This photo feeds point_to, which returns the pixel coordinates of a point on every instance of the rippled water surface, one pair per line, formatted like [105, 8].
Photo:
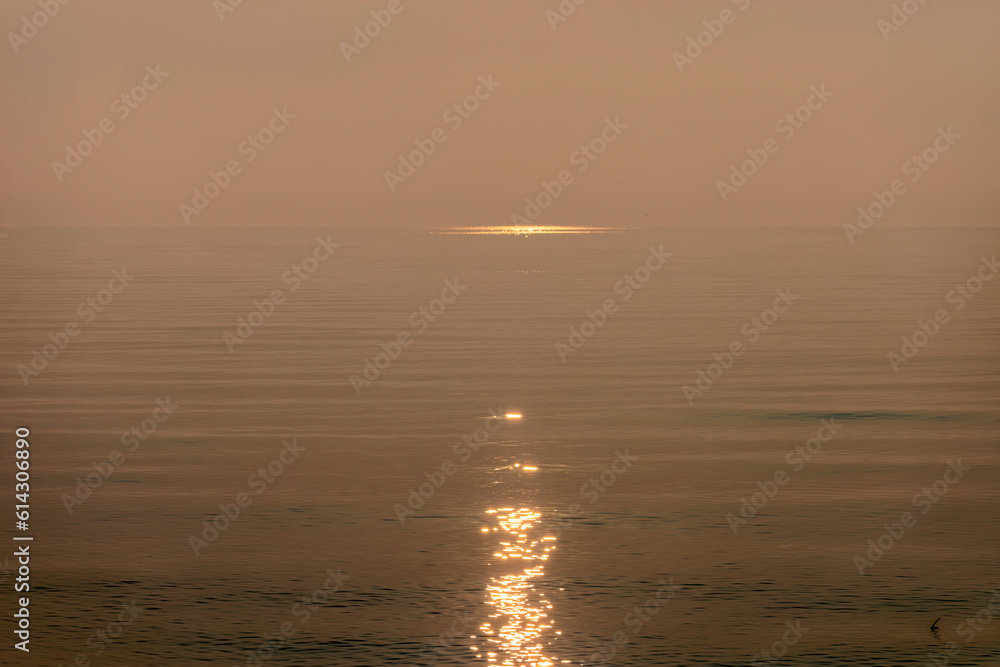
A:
[595, 521]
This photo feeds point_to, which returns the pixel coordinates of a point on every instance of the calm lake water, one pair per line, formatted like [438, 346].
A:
[518, 558]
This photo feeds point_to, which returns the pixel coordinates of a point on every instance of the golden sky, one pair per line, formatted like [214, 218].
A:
[612, 66]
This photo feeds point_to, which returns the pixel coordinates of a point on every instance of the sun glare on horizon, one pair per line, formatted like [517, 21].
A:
[522, 230]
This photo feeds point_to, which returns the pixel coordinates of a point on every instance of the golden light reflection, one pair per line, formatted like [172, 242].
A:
[525, 230]
[513, 415]
[516, 638]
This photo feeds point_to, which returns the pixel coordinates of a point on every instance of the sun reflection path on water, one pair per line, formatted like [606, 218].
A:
[516, 638]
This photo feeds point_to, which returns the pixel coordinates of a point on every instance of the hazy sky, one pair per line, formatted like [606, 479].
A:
[608, 59]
